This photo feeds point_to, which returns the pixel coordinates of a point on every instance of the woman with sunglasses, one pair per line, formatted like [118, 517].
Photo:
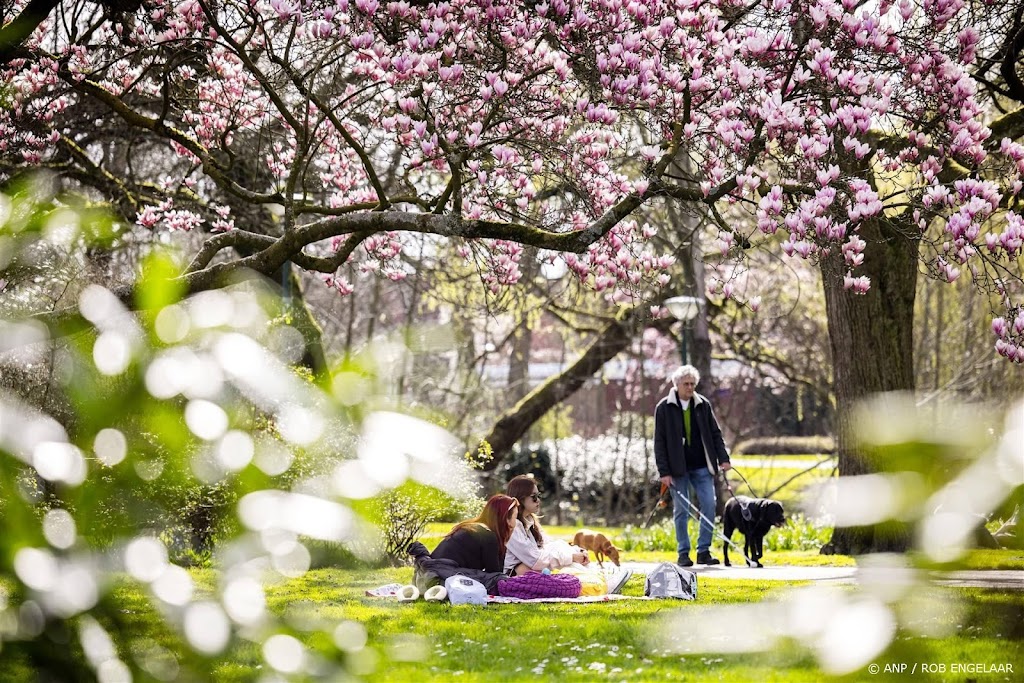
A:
[527, 548]
[480, 543]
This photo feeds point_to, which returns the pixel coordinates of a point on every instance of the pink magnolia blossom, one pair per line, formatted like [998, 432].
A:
[859, 285]
[487, 111]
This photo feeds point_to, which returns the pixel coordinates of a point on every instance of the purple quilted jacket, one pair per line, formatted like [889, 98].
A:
[535, 585]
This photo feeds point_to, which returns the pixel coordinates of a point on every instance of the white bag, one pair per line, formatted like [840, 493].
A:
[463, 590]
[670, 581]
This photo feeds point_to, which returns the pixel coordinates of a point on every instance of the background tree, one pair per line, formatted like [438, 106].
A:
[847, 139]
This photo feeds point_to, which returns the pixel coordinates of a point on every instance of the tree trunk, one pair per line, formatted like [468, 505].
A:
[511, 426]
[13, 34]
[407, 330]
[921, 351]
[522, 337]
[700, 351]
[939, 338]
[687, 221]
[872, 351]
[519, 361]
[313, 356]
[350, 325]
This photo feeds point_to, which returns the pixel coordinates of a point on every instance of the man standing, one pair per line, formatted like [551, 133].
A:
[689, 451]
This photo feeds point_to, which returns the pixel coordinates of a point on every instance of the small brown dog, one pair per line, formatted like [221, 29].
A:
[599, 544]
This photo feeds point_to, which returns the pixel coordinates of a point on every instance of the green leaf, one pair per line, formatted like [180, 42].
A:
[158, 283]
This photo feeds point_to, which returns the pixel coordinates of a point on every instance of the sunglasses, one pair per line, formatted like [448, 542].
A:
[535, 497]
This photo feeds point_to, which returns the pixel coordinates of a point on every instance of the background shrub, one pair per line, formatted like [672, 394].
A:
[325, 554]
[607, 480]
[402, 514]
[799, 533]
[657, 537]
[534, 460]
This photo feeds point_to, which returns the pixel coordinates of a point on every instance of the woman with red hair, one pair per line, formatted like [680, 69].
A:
[480, 543]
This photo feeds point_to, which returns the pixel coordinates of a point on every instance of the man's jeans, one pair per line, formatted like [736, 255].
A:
[704, 484]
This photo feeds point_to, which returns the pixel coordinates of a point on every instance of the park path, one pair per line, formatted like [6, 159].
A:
[986, 578]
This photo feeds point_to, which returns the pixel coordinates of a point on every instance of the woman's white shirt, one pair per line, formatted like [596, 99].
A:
[523, 548]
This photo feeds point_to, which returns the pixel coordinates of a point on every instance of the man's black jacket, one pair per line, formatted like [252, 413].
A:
[668, 435]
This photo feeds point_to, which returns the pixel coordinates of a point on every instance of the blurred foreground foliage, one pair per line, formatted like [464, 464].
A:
[178, 437]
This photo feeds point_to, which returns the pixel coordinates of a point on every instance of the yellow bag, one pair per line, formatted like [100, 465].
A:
[592, 581]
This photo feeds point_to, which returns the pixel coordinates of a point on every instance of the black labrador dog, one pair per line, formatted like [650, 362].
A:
[753, 517]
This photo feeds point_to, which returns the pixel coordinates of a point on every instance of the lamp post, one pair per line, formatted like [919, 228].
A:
[684, 309]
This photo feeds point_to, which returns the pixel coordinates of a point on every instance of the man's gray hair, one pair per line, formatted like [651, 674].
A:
[686, 371]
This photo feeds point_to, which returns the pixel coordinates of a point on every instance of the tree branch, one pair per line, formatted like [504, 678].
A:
[511, 426]
[161, 128]
[14, 34]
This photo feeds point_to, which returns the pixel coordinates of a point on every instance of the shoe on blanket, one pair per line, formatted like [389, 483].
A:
[619, 582]
[408, 593]
[435, 594]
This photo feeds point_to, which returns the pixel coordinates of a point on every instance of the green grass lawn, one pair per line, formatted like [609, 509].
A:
[784, 558]
[580, 642]
[1003, 558]
[435, 532]
[612, 641]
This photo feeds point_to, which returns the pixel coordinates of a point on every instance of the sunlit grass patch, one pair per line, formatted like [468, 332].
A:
[571, 641]
[782, 545]
[657, 542]
[980, 558]
[566, 641]
[604, 641]
[782, 478]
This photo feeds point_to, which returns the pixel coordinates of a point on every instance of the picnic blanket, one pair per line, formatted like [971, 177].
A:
[583, 598]
[390, 590]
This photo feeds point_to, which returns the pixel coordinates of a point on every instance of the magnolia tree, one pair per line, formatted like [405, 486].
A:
[322, 133]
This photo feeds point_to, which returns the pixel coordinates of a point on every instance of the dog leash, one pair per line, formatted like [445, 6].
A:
[740, 475]
[662, 502]
[745, 512]
[700, 516]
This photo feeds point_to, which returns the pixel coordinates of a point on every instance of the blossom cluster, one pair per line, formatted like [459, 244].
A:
[1009, 333]
[814, 117]
[163, 215]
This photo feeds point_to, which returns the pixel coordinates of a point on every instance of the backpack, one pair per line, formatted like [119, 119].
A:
[536, 585]
[670, 581]
[463, 590]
